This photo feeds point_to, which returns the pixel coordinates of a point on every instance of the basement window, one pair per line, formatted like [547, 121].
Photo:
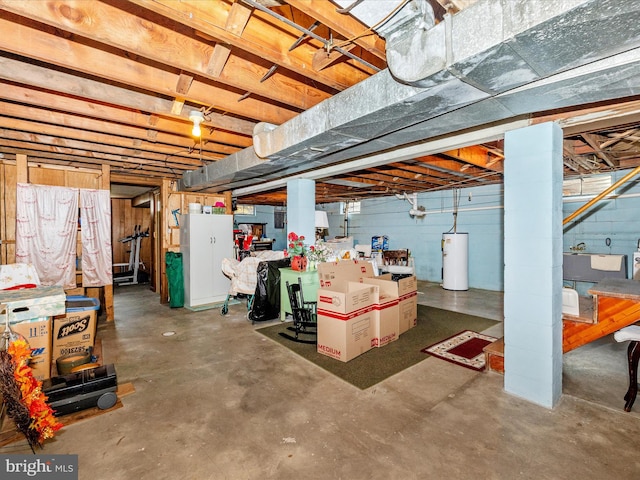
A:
[592, 185]
[245, 210]
[351, 207]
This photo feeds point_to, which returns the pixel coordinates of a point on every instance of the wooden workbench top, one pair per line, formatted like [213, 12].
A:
[617, 287]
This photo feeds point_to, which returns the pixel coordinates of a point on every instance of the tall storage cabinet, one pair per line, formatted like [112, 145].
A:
[204, 241]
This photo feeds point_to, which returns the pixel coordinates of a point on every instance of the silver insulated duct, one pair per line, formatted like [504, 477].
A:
[495, 60]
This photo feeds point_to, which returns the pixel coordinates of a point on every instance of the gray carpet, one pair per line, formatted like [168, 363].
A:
[377, 364]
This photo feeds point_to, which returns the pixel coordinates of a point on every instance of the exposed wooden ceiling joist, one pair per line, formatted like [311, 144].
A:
[91, 83]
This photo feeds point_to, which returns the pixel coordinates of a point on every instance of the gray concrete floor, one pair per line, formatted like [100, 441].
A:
[219, 401]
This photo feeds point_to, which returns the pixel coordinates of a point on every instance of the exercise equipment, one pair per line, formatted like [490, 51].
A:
[130, 275]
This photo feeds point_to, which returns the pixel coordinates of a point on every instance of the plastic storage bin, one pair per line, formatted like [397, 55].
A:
[80, 303]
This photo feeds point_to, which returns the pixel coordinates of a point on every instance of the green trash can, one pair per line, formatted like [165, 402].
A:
[175, 279]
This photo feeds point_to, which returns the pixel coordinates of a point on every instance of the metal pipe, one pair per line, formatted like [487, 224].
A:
[606, 192]
[324, 41]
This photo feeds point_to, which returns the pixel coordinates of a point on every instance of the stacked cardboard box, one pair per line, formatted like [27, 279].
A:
[393, 303]
[52, 323]
[345, 320]
[385, 322]
[29, 312]
[406, 289]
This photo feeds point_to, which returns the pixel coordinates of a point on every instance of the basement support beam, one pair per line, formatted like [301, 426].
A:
[301, 206]
[22, 169]
[533, 282]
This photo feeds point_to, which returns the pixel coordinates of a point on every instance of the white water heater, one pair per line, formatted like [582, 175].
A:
[455, 261]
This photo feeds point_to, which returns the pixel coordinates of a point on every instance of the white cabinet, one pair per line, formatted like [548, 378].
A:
[204, 241]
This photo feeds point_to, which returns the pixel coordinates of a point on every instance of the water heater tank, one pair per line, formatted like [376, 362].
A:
[455, 261]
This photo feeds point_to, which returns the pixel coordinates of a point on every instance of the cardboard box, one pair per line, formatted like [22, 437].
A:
[386, 326]
[406, 289]
[407, 312]
[76, 330]
[30, 311]
[338, 274]
[345, 320]
[379, 242]
[37, 331]
[385, 321]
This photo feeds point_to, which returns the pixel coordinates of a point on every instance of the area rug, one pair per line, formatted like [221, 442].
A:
[377, 364]
[464, 349]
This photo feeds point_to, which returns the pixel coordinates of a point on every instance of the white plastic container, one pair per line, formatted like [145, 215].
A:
[195, 208]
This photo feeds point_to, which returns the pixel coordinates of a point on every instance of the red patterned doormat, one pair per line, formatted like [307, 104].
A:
[464, 348]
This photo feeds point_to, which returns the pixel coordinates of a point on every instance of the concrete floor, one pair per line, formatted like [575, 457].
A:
[219, 401]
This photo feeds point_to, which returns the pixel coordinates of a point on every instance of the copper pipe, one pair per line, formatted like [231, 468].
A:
[606, 192]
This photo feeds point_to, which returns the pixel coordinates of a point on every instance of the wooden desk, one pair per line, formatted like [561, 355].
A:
[616, 305]
[310, 284]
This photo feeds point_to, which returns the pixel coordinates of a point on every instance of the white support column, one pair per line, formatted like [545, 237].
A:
[533, 263]
[301, 208]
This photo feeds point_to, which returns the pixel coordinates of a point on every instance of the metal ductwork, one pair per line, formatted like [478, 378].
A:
[496, 60]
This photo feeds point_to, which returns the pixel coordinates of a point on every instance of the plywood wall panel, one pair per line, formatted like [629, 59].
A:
[8, 179]
[46, 176]
[67, 178]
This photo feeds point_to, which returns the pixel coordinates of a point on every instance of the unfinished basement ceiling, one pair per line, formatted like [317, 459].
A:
[86, 83]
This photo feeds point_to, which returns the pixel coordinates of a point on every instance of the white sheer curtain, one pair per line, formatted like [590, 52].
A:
[46, 232]
[95, 216]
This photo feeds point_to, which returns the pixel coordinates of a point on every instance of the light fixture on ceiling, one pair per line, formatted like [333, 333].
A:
[197, 117]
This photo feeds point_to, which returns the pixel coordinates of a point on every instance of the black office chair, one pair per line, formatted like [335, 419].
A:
[305, 315]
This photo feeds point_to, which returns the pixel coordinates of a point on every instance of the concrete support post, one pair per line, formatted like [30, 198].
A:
[301, 208]
[533, 263]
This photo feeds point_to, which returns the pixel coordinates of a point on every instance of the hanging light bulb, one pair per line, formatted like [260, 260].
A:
[197, 118]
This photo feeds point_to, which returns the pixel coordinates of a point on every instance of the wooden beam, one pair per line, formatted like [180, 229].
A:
[57, 124]
[238, 18]
[345, 25]
[322, 59]
[22, 173]
[117, 27]
[210, 18]
[165, 189]
[79, 57]
[218, 59]
[105, 178]
[115, 153]
[184, 83]
[177, 106]
[60, 109]
[478, 156]
[593, 142]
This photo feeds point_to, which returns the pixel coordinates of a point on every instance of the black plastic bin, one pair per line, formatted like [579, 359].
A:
[175, 279]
